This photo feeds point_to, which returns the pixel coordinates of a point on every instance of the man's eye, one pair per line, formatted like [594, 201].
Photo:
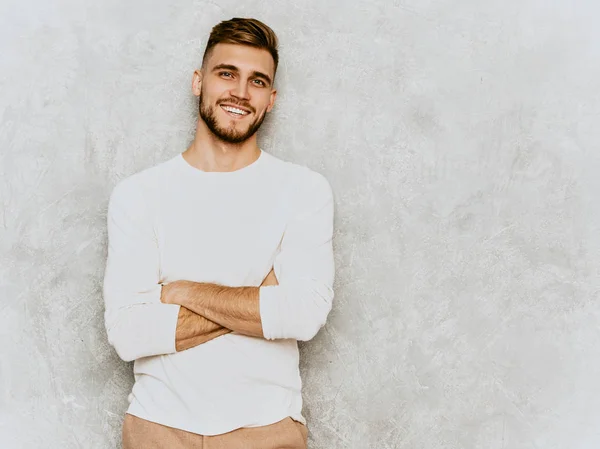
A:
[260, 82]
[225, 74]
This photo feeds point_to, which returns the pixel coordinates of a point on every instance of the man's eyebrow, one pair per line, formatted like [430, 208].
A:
[225, 67]
[255, 74]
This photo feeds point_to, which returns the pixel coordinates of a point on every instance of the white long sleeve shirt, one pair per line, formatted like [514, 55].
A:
[175, 222]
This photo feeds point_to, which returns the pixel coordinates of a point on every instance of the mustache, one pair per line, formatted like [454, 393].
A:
[236, 103]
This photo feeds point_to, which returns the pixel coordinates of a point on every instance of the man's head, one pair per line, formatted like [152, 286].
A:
[235, 83]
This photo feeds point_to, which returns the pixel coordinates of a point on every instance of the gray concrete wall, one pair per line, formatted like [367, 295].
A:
[461, 139]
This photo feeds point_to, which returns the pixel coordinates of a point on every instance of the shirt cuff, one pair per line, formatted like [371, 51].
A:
[270, 311]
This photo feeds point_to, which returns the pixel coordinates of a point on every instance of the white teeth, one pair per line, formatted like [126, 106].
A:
[234, 110]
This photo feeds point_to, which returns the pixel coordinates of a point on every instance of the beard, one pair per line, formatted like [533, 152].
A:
[231, 134]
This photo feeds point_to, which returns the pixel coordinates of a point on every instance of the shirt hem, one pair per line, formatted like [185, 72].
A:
[198, 430]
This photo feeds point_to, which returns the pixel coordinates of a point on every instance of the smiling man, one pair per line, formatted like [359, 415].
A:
[220, 259]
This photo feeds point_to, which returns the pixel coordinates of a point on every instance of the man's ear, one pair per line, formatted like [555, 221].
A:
[272, 100]
[197, 82]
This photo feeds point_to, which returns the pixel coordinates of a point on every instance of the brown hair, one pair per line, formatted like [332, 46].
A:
[250, 32]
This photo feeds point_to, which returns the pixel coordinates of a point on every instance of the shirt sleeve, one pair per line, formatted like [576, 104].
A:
[137, 323]
[298, 307]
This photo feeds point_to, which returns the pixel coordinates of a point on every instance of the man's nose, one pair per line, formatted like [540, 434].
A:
[240, 90]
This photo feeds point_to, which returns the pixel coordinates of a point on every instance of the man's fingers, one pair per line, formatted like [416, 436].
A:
[163, 294]
[271, 279]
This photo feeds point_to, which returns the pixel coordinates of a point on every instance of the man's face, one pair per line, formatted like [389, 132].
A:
[236, 91]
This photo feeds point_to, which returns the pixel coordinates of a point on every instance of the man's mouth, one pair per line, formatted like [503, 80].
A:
[235, 111]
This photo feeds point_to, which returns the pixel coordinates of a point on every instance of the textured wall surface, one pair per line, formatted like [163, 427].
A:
[462, 142]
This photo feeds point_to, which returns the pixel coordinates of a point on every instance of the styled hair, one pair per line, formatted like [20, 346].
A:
[249, 32]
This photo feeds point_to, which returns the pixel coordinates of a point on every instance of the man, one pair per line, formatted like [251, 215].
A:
[219, 260]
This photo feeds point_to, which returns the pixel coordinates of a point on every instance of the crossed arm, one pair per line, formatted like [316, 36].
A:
[241, 313]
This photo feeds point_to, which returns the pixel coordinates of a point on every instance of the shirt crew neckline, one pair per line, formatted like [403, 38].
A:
[229, 175]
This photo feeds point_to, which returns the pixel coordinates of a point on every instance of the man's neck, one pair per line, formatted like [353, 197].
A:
[209, 153]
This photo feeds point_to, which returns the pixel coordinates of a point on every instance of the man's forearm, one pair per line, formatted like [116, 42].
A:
[234, 308]
[193, 330]
[208, 311]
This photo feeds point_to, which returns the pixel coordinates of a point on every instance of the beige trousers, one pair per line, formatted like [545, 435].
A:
[285, 434]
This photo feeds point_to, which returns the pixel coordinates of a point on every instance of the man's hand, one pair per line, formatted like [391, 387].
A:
[271, 279]
[176, 292]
